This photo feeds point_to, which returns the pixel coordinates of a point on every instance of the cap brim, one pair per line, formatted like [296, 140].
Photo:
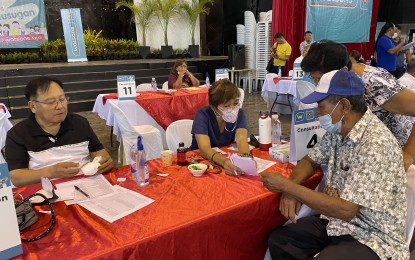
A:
[314, 97]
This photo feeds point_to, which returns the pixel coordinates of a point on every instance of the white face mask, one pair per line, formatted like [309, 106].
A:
[326, 122]
[230, 115]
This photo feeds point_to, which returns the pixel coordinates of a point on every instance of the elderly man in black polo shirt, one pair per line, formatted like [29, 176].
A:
[51, 143]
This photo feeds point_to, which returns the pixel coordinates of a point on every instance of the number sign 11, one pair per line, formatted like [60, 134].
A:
[126, 87]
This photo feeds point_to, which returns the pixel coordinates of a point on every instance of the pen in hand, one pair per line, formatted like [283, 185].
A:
[81, 191]
[229, 155]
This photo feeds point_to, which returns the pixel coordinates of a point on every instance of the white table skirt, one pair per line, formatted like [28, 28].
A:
[137, 116]
[270, 90]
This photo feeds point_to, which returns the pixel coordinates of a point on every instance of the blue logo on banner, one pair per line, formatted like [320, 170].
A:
[305, 116]
[349, 19]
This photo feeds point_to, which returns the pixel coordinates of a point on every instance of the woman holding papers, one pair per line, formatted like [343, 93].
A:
[180, 77]
[220, 124]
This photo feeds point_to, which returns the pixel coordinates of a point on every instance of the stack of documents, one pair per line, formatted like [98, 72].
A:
[97, 195]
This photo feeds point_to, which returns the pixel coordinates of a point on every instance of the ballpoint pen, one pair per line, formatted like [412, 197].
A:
[229, 155]
[81, 191]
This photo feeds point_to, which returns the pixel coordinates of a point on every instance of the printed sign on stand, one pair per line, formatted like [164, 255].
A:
[221, 74]
[126, 88]
[298, 73]
[10, 243]
[305, 133]
[74, 34]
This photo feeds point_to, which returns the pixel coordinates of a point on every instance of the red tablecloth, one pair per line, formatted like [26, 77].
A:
[210, 217]
[166, 108]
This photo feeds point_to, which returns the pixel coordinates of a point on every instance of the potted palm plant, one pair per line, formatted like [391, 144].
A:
[143, 12]
[190, 11]
[165, 11]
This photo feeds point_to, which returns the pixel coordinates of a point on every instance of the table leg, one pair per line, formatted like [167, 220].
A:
[111, 132]
[249, 82]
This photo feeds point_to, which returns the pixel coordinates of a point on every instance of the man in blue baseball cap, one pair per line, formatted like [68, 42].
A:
[363, 205]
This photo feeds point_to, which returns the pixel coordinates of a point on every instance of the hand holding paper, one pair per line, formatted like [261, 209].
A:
[246, 164]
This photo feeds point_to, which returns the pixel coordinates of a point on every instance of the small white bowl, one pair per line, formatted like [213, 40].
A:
[201, 168]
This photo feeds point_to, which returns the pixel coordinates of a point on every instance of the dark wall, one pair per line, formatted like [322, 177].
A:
[397, 11]
[223, 18]
[97, 14]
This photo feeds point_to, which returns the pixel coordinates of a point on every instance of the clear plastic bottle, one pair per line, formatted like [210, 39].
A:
[279, 72]
[154, 84]
[207, 81]
[275, 130]
[181, 155]
[139, 169]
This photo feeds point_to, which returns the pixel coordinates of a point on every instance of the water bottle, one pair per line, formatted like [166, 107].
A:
[139, 169]
[207, 81]
[154, 84]
[264, 123]
[275, 130]
[181, 155]
[279, 72]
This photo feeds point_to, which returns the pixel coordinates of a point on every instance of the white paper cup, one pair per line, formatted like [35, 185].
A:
[166, 158]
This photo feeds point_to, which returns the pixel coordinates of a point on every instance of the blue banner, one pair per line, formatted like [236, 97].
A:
[22, 23]
[74, 34]
[342, 21]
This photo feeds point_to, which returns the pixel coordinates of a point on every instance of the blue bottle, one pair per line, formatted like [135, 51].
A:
[139, 169]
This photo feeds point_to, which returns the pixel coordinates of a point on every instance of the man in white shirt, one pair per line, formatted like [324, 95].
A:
[308, 36]
[408, 78]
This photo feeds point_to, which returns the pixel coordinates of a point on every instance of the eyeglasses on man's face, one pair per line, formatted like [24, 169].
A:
[54, 102]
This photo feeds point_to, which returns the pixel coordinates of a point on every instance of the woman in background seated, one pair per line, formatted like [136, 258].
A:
[356, 57]
[180, 77]
[219, 123]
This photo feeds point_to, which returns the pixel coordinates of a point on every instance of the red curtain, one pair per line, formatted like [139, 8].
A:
[289, 17]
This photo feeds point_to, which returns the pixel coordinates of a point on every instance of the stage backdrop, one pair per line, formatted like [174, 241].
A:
[340, 21]
[289, 17]
[22, 23]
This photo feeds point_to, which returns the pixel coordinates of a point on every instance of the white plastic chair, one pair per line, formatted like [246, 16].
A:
[179, 131]
[151, 135]
[304, 88]
[241, 97]
[144, 87]
[271, 75]
[165, 85]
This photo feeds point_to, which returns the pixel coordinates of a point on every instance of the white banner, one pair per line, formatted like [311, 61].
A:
[10, 243]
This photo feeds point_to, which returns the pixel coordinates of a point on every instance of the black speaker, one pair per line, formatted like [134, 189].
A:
[236, 54]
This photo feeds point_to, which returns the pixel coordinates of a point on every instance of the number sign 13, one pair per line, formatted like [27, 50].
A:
[298, 73]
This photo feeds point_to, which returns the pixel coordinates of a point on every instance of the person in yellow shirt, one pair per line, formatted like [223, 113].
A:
[281, 51]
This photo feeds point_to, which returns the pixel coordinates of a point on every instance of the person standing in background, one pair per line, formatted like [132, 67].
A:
[386, 49]
[308, 40]
[281, 51]
[403, 56]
